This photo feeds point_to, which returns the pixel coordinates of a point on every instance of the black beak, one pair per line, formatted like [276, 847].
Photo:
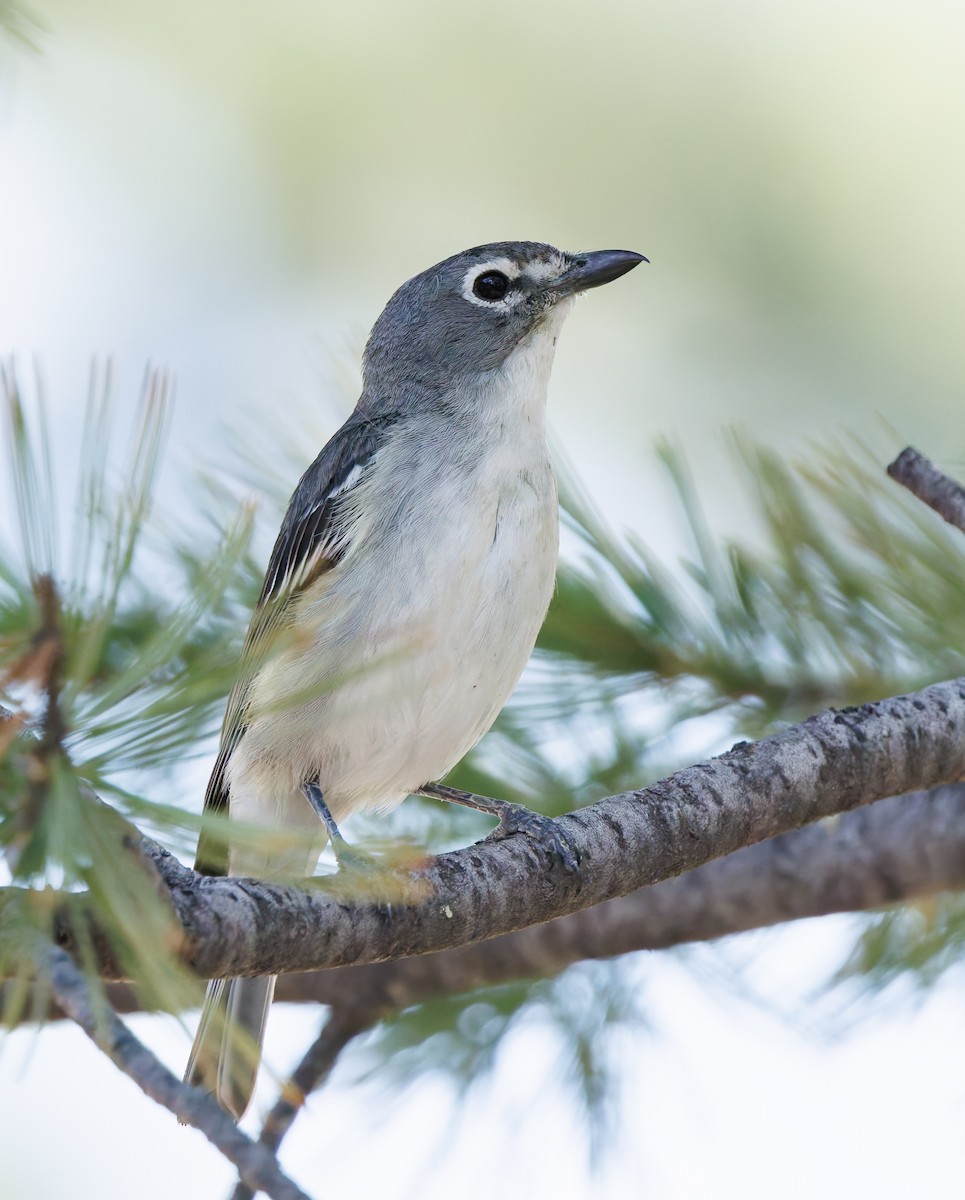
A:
[593, 269]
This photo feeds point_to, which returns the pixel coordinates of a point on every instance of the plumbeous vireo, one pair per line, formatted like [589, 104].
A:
[405, 591]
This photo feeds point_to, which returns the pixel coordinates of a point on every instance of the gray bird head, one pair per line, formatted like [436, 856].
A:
[464, 316]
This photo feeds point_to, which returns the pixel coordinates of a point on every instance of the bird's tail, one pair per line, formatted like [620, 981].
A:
[227, 1048]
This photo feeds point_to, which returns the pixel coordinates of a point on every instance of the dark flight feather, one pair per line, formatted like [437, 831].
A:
[310, 542]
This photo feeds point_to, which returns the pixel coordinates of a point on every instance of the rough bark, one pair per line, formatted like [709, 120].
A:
[830, 764]
[923, 479]
[897, 849]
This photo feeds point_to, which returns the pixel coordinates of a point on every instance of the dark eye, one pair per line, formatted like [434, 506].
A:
[491, 285]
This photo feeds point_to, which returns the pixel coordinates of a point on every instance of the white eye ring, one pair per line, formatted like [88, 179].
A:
[498, 266]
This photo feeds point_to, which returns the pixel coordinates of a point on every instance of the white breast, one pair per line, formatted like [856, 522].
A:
[424, 627]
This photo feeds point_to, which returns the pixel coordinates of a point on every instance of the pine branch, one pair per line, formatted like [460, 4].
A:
[923, 479]
[72, 992]
[892, 850]
[830, 764]
[898, 849]
[317, 1064]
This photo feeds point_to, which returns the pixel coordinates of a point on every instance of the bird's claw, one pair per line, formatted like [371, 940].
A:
[514, 818]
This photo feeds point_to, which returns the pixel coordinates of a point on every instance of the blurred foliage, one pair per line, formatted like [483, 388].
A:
[106, 678]
[119, 642]
[461, 1036]
[20, 23]
[854, 593]
[915, 943]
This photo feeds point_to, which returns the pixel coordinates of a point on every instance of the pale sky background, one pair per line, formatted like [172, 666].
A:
[233, 191]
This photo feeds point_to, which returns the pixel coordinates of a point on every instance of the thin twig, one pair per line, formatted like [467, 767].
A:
[192, 1106]
[924, 480]
[314, 1069]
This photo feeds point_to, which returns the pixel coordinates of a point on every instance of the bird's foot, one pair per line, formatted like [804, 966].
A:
[351, 860]
[387, 885]
[516, 818]
[513, 818]
[385, 880]
[358, 871]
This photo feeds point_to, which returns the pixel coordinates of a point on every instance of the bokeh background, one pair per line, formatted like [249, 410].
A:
[234, 190]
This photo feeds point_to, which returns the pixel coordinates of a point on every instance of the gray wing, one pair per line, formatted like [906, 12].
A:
[310, 542]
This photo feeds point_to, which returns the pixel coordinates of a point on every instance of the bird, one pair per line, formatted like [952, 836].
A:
[404, 594]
